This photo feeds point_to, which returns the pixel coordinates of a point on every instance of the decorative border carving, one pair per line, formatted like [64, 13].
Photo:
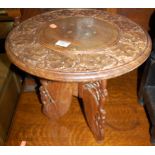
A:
[25, 50]
[99, 92]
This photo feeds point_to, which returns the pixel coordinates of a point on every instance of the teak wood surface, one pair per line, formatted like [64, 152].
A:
[74, 52]
[126, 122]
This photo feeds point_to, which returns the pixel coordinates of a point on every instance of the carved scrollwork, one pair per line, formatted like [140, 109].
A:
[94, 107]
[45, 96]
[97, 90]
[23, 43]
[48, 101]
[56, 98]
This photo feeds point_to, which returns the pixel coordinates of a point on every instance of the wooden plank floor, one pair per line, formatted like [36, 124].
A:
[126, 122]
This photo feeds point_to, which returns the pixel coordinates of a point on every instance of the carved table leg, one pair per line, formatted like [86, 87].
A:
[93, 95]
[56, 98]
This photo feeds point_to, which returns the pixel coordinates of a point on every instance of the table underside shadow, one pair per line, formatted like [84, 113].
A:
[57, 96]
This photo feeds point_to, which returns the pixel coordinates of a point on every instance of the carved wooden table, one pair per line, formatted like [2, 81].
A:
[74, 52]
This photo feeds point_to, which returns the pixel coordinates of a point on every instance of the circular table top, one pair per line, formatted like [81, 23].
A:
[78, 45]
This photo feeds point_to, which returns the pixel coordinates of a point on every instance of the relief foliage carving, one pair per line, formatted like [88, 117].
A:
[23, 43]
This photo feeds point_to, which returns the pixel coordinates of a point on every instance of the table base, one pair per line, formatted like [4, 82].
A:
[57, 96]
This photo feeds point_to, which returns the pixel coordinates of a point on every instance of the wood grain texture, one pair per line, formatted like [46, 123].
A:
[77, 133]
[94, 95]
[125, 45]
[126, 121]
[138, 15]
[56, 98]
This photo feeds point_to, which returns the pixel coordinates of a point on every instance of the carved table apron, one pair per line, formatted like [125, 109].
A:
[74, 52]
